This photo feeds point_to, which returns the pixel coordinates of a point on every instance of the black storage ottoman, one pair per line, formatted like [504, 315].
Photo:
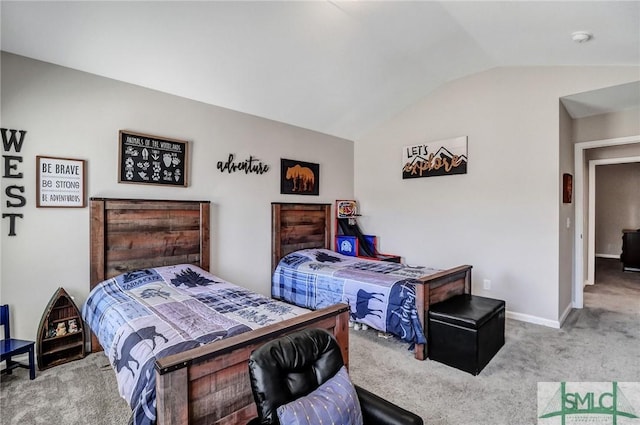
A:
[466, 331]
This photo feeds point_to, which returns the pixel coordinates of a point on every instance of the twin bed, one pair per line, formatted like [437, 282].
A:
[208, 384]
[149, 268]
[304, 268]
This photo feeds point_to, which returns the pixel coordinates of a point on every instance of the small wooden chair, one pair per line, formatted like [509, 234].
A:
[10, 347]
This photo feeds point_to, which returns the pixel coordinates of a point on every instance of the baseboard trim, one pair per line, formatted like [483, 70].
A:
[566, 312]
[613, 256]
[535, 319]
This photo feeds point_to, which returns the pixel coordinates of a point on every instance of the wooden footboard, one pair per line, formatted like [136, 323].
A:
[210, 384]
[435, 288]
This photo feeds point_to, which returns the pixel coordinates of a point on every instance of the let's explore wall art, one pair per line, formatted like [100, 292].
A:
[440, 158]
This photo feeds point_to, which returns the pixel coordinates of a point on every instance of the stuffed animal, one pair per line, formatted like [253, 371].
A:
[61, 329]
[73, 326]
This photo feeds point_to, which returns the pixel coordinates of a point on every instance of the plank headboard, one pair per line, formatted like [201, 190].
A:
[297, 226]
[132, 234]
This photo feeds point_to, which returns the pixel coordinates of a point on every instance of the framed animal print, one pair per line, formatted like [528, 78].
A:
[146, 159]
[299, 178]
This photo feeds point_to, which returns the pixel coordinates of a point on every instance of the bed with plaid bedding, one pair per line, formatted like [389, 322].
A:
[380, 294]
[144, 315]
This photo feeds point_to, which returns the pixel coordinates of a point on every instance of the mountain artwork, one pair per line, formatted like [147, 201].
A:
[440, 158]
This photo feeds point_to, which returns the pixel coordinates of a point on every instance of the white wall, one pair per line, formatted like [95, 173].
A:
[566, 213]
[607, 126]
[503, 216]
[71, 114]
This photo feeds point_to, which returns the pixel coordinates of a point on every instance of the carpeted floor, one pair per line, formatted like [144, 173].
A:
[598, 343]
[76, 393]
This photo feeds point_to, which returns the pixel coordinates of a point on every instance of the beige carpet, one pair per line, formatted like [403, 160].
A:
[598, 343]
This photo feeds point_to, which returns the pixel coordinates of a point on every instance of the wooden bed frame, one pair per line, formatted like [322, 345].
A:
[296, 226]
[208, 384]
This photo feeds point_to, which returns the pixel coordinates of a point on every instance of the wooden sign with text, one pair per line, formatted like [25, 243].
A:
[60, 182]
[12, 140]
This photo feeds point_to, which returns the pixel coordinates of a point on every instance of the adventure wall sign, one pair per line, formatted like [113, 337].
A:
[152, 160]
[441, 158]
[248, 166]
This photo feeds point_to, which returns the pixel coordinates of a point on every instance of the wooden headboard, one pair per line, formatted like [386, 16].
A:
[132, 234]
[298, 226]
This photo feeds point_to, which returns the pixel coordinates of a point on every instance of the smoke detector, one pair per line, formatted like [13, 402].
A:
[581, 36]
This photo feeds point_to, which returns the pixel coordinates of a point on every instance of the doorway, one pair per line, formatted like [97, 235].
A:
[584, 244]
[591, 242]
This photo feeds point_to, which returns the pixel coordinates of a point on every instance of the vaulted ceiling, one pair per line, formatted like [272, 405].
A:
[338, 67]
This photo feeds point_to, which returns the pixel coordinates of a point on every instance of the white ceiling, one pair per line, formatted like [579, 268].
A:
[340, 68]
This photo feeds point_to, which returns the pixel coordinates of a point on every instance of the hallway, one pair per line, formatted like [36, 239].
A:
[614, 290]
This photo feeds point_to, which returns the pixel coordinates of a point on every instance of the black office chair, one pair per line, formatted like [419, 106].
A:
[291, 367]
[10, 347]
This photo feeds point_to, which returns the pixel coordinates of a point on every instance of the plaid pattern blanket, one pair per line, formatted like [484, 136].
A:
[381, 294]
[148, 314]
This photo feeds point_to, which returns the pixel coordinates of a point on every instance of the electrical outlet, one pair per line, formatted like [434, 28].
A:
[487, 285]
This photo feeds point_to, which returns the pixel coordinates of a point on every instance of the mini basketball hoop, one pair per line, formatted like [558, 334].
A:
[348, 209]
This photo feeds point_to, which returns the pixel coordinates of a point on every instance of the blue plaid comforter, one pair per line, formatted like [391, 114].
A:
[144, 315]
[381, 294]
